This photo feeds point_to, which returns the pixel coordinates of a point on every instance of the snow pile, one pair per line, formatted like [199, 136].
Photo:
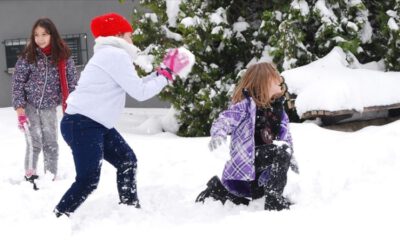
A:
[333, 83]
[149, 121]
[188, 56]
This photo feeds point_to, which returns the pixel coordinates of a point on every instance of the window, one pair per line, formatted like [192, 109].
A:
[78, 45]
[13, 48]
[76, 42]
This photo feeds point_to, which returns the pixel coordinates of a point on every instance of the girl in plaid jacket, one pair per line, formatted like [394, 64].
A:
[261, 145]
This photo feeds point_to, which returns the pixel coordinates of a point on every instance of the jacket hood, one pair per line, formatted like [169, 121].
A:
[117, 42]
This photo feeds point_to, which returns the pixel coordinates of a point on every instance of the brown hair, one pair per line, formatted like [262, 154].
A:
[59, 49]
[257, 81]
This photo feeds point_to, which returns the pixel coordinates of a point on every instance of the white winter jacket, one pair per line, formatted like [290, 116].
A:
[107, 77]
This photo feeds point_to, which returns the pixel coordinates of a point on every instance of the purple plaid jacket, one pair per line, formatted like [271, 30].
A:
[239, 121]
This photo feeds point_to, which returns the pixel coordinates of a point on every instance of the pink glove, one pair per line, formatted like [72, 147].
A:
[22, 120]
[175, 60]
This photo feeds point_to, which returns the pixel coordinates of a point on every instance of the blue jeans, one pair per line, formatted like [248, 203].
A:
[90, 143]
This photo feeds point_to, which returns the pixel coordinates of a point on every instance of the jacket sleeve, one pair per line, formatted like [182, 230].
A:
[284, 134]
[20, 77]
[227, 121]
[124, 74]
[72, 75]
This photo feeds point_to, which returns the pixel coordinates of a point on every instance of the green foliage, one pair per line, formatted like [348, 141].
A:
[392, 56]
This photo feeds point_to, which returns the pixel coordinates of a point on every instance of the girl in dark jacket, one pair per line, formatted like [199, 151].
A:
[44, 76]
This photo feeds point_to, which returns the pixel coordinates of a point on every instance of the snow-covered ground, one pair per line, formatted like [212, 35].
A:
[348, 188]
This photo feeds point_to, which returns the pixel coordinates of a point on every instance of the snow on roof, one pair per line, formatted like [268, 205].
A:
[332, 83]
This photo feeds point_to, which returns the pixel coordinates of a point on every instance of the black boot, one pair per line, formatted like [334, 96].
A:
[59, 214]
[217, 191]
[213, 190]
[32, 179]
[276, 202]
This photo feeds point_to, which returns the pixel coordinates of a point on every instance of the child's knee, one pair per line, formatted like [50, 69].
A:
[89, 182]
[283, 154]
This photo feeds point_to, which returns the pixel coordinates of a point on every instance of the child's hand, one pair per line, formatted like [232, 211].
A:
[216, 142]
[22, 121]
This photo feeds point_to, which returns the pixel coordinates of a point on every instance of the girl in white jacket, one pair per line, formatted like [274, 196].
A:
[94, 107]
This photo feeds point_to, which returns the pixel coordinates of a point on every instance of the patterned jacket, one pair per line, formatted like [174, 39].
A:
[39, 83]
[239, 121]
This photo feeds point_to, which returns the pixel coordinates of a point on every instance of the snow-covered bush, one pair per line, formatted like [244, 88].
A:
[301, 31]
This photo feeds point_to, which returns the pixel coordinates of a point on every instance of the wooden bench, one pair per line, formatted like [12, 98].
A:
[332, 117]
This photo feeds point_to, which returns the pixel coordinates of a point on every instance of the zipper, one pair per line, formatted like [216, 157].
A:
[45, 83]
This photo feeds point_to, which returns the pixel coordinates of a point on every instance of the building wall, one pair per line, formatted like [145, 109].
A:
[70, 17]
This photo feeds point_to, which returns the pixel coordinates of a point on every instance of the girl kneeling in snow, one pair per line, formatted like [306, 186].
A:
[261, 144]
[95, 105]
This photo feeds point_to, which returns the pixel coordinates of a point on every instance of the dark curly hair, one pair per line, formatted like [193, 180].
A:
[59, 49]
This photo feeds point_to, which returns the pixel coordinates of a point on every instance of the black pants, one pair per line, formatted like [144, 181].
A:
[271, 164]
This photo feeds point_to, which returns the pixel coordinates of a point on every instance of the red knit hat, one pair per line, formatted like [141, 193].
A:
[109, 24]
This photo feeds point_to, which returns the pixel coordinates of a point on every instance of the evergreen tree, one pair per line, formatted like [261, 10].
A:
[286, 26]
[392, 58]
[389, 34]
[302, 31]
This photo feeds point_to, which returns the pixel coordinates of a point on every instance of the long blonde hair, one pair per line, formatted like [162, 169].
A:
[257, 81]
